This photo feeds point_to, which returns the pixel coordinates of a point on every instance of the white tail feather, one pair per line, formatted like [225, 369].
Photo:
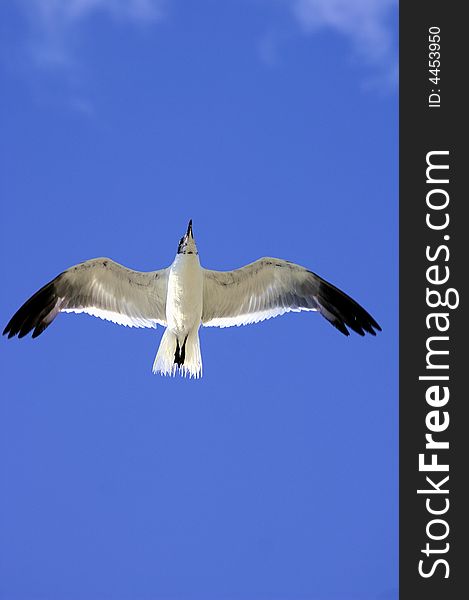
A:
[165, 357]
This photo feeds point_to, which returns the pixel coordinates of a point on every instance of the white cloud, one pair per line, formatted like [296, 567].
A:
[54, 23]
[364, 22]
[48, 52]
[62, 13]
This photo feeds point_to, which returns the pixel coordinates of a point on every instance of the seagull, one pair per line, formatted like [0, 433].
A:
[185, 296]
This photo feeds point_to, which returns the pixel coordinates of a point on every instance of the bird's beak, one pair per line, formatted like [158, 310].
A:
[189, 229]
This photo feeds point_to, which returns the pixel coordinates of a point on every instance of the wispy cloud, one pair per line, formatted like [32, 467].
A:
[364, 22]
[53, 24]
[59, 14]
[48, 52]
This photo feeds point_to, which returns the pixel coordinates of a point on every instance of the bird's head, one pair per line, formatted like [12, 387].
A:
[187, 243]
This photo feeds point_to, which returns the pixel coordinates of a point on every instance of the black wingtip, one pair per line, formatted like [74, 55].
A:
[34, 314]
[343, 312]
[340, 327]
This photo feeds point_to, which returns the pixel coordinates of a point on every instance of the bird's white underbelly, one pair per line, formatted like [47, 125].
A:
[185, 294]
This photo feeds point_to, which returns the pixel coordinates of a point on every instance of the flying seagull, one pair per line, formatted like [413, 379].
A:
[185, 296]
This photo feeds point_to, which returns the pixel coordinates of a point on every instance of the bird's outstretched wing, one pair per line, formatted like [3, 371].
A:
[270, 287]
[99, 287]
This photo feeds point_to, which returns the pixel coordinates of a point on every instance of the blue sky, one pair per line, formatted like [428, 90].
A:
[273, 125]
